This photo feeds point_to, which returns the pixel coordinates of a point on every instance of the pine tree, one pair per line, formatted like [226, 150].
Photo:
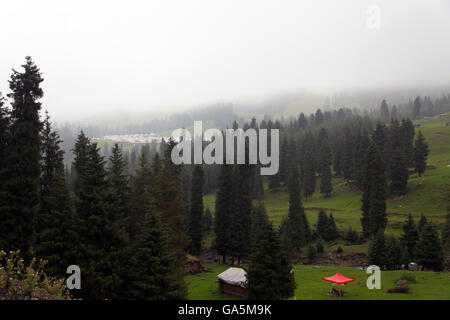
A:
[223, 211]
[207, 220]
[407, 141]
[20, 196]
[416, 108]
[270, 275]
[322, 224]
[325, 161]
[56, 239]
[393, 253]
[168, 203]
[399, 165]
[93, 226]
[241, 213]
[410, 236]
[309, 168]
[302, 122]
[332, 231]
[284, 161]
[429, 251]
[421, 152]
[394, 113]
[384, 112]
[156, 164]
[118, 225]
[80, 151]
[297, 232]
[363, 142]
[422, 222]
[377, 250]
[380, 138]
[142, 184]
[318, 118]
[195, 218]
[348, 154]
[259, 222]
[374, 216]
[153, 273]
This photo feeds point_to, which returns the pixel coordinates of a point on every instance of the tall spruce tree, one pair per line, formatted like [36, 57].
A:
[429, 251]
[241, 213]
[207, 220]
[222, 221]
[297, 232]
[407, 141]
[422, 222]
[332, 231]
[20, 197]
[363, 142]
[258, 223]
[410, 236]
[384, 112]
[142, 184]
[56, 239]
[195, 218]
[80, 151]
[153, 273]
[373, 208]
[94, 230]
[325, 162]
[347, 166]
[377, 250]
[393, 253]
[309, 167]
[119, 212]
[421, 152]
[322, 224]
[416, 108]
[168, 204]
[399, 164]
[270, 275]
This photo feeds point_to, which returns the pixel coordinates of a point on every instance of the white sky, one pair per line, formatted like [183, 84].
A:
[98, 56]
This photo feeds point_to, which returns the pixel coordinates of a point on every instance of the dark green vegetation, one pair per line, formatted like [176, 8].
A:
[128, 217]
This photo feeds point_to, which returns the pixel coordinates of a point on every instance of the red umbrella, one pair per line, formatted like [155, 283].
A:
[338, 279]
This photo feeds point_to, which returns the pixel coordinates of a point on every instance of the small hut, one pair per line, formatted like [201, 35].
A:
[233, 281]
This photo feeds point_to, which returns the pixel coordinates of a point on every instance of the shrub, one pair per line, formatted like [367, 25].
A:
[339, 250]
[402, 286]
[408, 277]
[28, 281]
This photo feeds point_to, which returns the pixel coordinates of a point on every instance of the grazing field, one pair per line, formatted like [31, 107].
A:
[430, 196]
[310, 286]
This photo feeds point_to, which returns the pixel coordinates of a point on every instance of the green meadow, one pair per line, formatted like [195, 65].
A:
[429, 194]
[310, 286]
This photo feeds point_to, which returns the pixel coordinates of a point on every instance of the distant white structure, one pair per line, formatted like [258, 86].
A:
[132, 138]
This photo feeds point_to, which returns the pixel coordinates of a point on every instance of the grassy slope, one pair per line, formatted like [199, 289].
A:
[429, 285]
[431, 198]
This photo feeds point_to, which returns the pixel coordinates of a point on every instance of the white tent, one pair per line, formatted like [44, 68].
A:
[234, 276]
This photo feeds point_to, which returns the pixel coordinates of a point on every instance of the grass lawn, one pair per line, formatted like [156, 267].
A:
[428, 286]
